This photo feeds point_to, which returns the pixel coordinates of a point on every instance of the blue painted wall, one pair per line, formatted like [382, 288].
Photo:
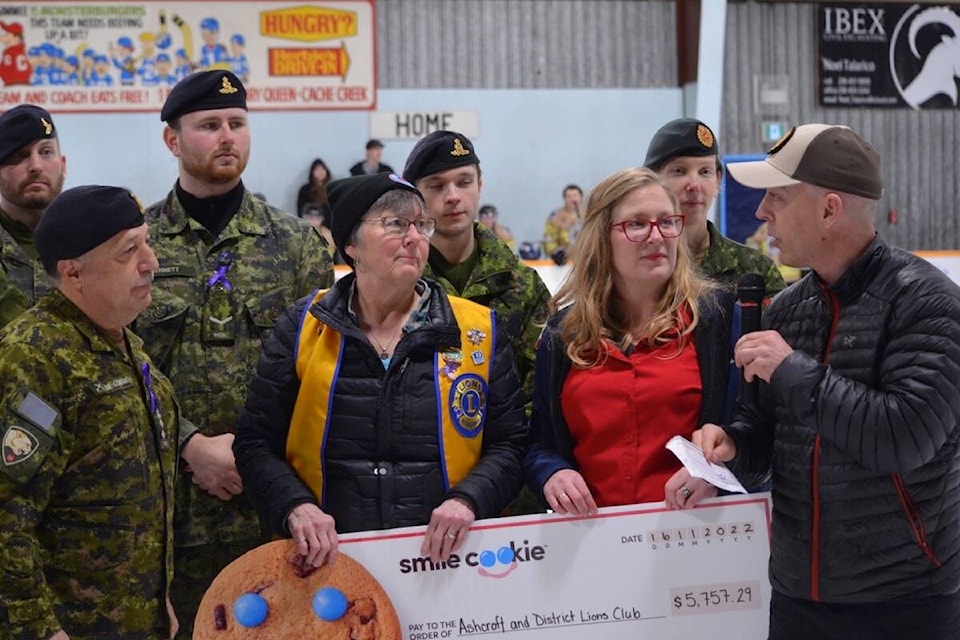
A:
[531, 144]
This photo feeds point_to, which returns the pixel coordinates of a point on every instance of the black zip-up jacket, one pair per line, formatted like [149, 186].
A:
[861, 422]
[382, 464]
[552, 445]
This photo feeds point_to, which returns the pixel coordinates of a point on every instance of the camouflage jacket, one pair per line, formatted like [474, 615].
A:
[12, 301]
[25, 273]
[726, 260]
[86, 481]
[205, 332]
[512, 289]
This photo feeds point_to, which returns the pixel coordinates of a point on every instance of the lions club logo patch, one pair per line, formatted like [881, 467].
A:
[18, 445]
[468, 404]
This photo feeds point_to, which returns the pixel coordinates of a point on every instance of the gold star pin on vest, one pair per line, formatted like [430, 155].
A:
[226, 88]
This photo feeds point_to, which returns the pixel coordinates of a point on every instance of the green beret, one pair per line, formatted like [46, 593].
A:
[683, 137]
[203, 90]
[439, 151]
[22, 125]
[351, 198]
[83, 218]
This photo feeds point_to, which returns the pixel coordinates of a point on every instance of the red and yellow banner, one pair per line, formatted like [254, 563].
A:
[91, 56]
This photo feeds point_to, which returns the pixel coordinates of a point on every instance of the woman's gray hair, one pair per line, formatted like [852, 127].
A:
[400, 202]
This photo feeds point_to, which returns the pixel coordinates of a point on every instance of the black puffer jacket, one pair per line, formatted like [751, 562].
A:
[862, 419]
[382, 455]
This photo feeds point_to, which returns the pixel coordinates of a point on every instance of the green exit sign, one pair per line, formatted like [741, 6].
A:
[773, 131]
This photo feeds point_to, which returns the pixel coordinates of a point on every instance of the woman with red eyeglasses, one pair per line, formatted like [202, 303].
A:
[636, 352]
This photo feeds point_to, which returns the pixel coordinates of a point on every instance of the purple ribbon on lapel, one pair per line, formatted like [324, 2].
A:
[220, 275]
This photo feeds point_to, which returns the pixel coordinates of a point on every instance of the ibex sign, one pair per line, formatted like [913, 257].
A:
[889, 55]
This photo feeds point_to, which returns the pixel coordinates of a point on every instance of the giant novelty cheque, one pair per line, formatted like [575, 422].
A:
[641, 571]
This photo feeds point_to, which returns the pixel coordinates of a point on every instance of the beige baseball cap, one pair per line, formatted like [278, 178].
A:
[825, 155]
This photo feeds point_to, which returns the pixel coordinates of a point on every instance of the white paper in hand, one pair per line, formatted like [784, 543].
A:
[697, 464]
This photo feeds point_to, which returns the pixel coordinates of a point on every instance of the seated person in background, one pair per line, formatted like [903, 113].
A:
[356, 419]
[634, 325]
[314, 191]
[319, 219]
[371, 163]
[488, 218]
[563, 225]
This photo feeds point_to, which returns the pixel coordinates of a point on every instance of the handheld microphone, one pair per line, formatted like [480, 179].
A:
[751, 290]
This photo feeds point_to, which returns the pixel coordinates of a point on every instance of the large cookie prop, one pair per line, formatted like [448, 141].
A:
[269, 593]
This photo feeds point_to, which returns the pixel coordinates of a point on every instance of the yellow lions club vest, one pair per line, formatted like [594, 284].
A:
[461, 374]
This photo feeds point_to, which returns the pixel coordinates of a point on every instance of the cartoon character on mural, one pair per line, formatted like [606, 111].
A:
[15, 67]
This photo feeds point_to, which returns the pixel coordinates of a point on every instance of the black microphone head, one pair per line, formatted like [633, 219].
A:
[751, 288]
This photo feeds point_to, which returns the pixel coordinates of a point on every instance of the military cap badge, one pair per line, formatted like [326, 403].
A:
[226, 88]
[705, 136]
[458, 148]
[47, 127]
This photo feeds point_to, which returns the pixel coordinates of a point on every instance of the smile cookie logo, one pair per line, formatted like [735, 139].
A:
[489, 563]
[925, 56]
[18, 445]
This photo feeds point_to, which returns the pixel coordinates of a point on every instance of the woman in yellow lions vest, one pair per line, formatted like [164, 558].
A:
[382, 402]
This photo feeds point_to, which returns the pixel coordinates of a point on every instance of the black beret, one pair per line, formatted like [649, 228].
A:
[83, 218]
[439, 151]
[680, 138]
[22, 125]
[351, 198]
[217, 89]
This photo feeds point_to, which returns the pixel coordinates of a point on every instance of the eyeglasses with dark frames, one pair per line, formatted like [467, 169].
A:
[638, 229]
[396, 227]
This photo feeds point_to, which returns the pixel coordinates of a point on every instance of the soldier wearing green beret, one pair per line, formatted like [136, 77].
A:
[89, 437]
[685, 154]
[470, 261]
[229, 264]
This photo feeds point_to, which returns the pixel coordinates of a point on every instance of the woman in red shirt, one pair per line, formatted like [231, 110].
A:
[637, 351]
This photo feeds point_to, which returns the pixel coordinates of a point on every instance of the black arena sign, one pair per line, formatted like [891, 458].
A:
[888, 55]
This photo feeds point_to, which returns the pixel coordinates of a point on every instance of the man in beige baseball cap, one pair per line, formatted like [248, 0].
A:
[858, 415]
[810, 163]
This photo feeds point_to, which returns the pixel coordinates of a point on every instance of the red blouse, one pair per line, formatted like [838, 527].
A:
[621, 415]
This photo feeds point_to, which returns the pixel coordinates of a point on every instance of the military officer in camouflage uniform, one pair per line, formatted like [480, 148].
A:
[465, 257]
[471, 262]
[684, 153]
[32, 172]
[89, 437]
[229, 265]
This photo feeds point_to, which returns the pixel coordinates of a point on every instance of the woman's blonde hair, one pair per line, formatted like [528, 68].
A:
[597, 312]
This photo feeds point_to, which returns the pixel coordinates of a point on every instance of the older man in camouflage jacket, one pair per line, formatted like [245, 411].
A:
[89, 437]
[229, 265]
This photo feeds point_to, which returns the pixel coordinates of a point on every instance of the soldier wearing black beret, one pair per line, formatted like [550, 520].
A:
[202, 91]
[230, 263]
[86, 488]
[83, 218]
[467, 258]
[32, 172]
[685, 154]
